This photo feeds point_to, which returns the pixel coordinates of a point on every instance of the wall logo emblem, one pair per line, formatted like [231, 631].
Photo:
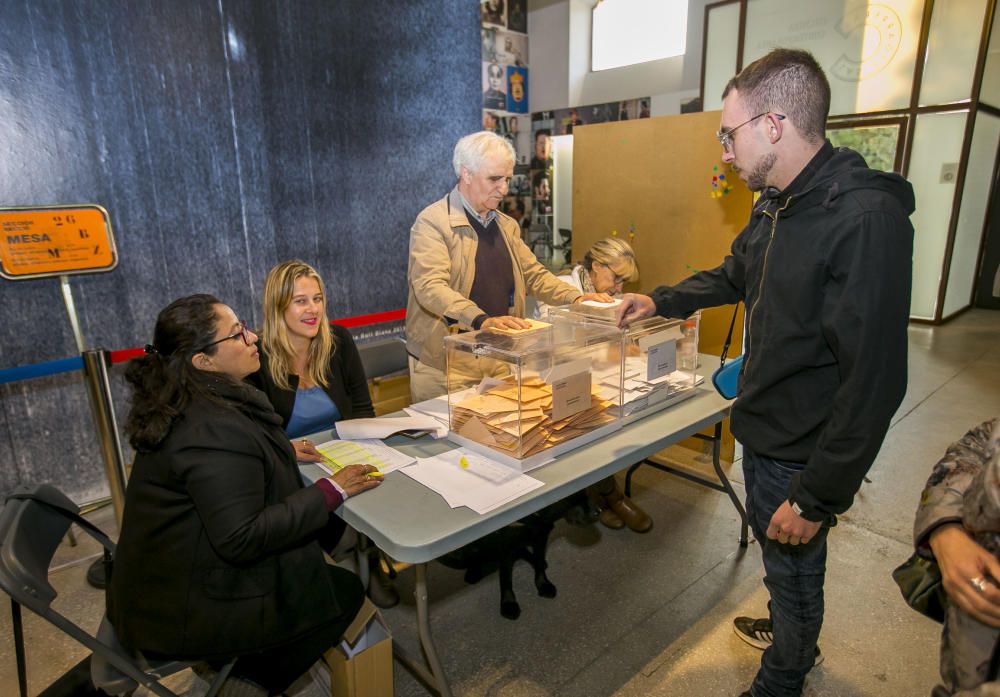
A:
[877, 31]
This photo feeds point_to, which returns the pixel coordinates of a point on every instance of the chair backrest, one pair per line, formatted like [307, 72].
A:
[383, 357]
[30, 533]
[33, 522]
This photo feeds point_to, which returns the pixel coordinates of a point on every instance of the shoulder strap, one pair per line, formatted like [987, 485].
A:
[729, 336]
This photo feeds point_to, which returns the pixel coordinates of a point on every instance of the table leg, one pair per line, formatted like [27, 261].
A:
[435, 677]
[723, 484]
[724, 480]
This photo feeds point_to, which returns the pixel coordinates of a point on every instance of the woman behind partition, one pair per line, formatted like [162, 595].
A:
[312, 373]
[218, 555]
[606, 268]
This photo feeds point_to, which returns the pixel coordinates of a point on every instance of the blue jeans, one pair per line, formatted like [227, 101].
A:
[793, 576]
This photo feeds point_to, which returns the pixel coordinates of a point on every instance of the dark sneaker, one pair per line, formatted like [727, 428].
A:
[817, 657]
[759, 633]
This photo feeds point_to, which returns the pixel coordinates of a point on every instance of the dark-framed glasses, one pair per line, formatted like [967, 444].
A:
[242, 333]
[726, 137]
[618, 280]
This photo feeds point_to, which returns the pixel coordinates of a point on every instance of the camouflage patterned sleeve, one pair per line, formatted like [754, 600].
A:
[941, 500]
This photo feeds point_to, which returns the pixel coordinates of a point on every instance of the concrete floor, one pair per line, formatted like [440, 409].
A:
[651, 614]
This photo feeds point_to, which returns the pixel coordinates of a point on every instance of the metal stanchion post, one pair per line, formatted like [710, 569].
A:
[95, 370]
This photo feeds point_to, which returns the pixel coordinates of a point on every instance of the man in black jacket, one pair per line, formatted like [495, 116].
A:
[824, 269]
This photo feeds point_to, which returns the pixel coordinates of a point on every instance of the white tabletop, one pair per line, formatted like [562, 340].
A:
[413, 524]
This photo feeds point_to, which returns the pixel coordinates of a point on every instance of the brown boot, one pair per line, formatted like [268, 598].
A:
[626, 509]
[608, 518]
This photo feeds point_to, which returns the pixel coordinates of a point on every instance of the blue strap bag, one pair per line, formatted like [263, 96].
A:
[726, 377]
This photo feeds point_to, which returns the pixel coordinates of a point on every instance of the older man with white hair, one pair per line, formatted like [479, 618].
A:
[453, 238]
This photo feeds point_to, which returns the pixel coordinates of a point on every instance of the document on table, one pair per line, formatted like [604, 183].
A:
[436, 408]
[383, 427]
[337, 454]
[465, 478]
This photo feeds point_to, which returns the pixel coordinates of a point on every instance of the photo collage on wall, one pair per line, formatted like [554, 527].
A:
[505, 92]
[546, 124]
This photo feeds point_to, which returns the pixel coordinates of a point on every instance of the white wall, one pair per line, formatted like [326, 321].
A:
[560, 76]
[548, 48]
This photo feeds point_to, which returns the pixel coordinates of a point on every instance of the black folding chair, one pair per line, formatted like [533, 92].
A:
[33, 522]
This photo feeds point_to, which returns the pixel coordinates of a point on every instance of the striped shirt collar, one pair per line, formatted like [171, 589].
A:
[484, 220]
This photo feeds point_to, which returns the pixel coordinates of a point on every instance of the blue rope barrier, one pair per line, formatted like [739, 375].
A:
[40, 370]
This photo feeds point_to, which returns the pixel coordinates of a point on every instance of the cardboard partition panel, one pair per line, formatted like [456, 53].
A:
[661, 185]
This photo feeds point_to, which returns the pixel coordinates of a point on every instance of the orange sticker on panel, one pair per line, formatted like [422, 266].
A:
[38, 242]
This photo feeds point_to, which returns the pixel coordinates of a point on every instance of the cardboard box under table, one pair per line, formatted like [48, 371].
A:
[361, 665]
[660, 358]
[524, 397]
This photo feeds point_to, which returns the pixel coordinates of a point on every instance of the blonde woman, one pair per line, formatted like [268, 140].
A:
[606, 268]
[311, 372]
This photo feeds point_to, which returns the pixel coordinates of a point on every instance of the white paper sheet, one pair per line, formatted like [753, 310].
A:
[383, 427]
[436, 408]
[467, 486]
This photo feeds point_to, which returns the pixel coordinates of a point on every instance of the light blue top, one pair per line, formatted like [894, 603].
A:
[313, 411]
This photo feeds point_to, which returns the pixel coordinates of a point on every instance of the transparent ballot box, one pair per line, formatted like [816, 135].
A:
[660, 359]
[525, 397]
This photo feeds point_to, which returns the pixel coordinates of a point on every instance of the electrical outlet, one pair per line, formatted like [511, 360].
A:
[949, 172]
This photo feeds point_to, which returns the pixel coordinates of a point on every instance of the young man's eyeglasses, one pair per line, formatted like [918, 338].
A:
[726, 137]
[242, 333]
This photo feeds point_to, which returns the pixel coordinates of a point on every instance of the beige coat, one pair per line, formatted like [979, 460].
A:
[442, 268]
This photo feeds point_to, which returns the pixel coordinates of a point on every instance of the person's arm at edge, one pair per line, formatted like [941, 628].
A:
[938, 531]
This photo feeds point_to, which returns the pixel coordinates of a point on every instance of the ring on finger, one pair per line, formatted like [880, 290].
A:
[979, 583]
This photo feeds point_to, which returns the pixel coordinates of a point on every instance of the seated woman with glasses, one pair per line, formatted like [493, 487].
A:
[312, 373]
[218, 554]
[606, 268]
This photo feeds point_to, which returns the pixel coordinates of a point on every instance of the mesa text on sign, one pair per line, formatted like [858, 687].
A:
[54, 241]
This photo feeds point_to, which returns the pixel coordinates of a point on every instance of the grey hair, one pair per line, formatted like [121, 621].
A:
[471, 150]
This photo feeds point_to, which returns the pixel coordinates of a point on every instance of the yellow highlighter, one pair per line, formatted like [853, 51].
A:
[375, 473]
[463, 462]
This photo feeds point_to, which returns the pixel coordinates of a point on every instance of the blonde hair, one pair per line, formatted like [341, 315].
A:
[278, 291]
[617, 255]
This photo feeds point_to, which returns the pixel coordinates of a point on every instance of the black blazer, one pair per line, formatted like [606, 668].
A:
[218, 553]
[348, 386]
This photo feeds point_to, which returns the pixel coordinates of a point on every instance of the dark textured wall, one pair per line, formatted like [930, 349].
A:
[222, 136]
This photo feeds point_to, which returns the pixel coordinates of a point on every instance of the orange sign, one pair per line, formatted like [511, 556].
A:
[55, 241]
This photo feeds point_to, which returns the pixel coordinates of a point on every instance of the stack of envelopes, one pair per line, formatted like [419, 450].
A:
[521, 428]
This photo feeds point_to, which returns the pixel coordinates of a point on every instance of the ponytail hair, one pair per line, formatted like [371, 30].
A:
[164, 380]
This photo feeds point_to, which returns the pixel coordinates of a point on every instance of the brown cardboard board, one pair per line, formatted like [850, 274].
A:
[361, 665]
[628, 181]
